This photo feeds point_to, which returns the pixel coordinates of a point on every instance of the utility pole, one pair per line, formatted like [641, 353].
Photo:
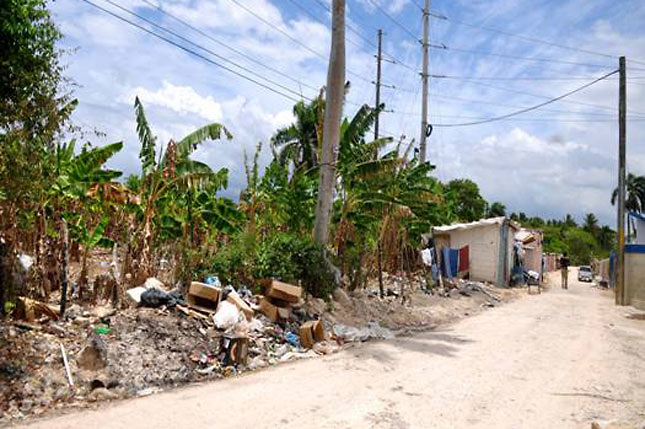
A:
[622, 131]
[378, 82]
[334, 94]
[424, 80]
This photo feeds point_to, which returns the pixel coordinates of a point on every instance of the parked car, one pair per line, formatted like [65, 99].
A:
[585, 274]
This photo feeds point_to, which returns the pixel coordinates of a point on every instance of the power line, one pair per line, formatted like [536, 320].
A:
[522, 37]
[229, 47]
[523, 77]
[318, 19]
[205, 49]
[391, 58]
[394, 20]
[518, 57]
[531, 94]
[190, 51]
[298, 94]
[526, 38]
[293, 39]
[461, 100]
[528, 109]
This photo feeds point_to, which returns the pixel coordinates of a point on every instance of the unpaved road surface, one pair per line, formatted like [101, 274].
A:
[557, 360]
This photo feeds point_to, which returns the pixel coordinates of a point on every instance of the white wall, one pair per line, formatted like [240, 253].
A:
[483, 241]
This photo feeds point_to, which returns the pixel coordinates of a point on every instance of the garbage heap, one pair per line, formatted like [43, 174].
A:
[164, 339]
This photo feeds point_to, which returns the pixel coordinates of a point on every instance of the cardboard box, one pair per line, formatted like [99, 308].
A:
[241, 305]
[236, 350]
[273, 312]
[203, 297]
[283, 291]
[312, 332]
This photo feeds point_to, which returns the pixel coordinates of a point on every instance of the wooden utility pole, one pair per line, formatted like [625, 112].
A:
[378, 82]
[424, 80]
[331, 126]
[622, 131]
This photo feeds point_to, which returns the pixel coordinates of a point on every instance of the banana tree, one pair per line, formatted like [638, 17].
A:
[173, 172]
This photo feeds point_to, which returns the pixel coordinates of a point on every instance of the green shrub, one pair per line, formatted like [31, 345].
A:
[295, 259]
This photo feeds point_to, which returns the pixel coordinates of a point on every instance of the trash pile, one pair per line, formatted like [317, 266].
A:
[163, 340]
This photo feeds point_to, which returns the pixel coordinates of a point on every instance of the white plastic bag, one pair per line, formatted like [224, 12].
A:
[227, 315]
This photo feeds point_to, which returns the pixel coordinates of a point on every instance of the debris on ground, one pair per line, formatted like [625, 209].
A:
[96, 353]
[204, 296]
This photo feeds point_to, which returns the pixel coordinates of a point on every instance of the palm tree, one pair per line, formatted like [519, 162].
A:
[606, 237]
[569, 221]
[635, 193]
[299, 142]
[590, 224]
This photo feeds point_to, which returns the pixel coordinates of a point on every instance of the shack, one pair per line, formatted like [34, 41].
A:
[489, 243]
[532, 244]
[635, 261]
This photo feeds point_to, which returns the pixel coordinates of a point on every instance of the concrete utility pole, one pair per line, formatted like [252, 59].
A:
[622, 131]
[424, 80]
[378, 82]
[335, 92]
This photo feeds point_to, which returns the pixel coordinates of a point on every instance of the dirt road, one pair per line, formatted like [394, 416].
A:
[557, 360]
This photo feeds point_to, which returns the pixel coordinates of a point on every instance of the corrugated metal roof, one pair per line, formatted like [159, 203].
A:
[476, 224]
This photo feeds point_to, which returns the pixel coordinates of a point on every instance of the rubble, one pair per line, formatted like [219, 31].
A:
[217, 332]
[341, 297]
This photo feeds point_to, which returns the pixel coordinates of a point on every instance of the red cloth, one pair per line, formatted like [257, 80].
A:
[463, 259]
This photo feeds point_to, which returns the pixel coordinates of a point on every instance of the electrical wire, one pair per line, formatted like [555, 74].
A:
[506, 78]
[451, 98]
[522, 37]
[389, 56]
[530, 94]
[293, 39]
[221, 58]
[528, 109]
[190, 51]
[229, 47]
[395, 21]
[518, 57]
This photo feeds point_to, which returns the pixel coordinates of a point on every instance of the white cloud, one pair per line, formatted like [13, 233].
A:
[181, 99]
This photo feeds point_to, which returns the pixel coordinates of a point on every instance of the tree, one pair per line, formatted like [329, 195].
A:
[569, 221]
[467, 204]
[635, 193]
[590, 224]
[497, 209]
[163, 181]
[582, 246]
[331, 126]
[299, 142]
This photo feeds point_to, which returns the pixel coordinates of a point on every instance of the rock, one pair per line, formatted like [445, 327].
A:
[148, 391]
[341, 297]
[73, 311]
[134, 294]
[101, 394]
[359, 294]
[92, 357]
[153, 283]
[325, 347]
[103, 312]
[454, 293]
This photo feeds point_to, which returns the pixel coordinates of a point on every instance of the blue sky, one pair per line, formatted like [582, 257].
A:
[549, 162]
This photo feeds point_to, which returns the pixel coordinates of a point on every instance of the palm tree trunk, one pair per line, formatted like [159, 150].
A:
[331, 127]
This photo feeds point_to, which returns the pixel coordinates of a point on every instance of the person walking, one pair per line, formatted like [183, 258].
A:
[564, 270]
